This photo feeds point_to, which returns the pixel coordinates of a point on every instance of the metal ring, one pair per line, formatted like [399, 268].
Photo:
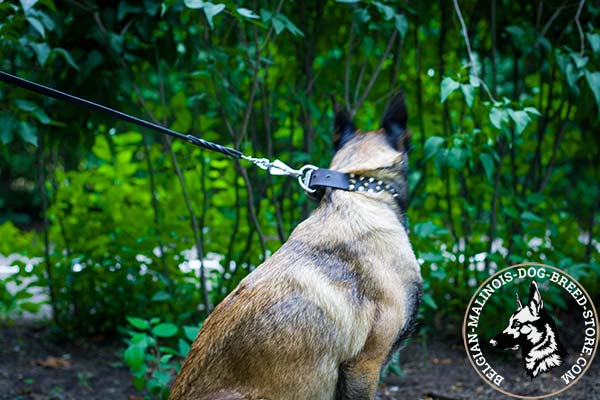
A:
[304, 178]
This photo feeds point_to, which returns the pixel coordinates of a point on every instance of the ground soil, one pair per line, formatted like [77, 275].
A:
[93, 369]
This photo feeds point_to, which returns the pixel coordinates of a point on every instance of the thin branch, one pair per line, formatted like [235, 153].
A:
[472, 60]
[252, 208]
[551, 21]
[43, 195]
[358, 84]
[579, 28]
[555, 148]
[376, 72]
[156, 211]
[347, 69]
[465, 34]
[194, 223]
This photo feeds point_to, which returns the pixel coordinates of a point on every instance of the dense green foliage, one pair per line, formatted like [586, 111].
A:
[504, 102]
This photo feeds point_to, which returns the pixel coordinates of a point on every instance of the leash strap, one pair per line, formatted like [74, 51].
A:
[78, 101]
[312, 179]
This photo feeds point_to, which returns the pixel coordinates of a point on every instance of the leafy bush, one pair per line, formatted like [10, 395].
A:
[153, 362]
[504, 159]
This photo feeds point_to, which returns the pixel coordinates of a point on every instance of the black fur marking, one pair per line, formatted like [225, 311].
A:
[349, 389]
[344, 129]
[409, 326]
[395, 121]
[336, 262]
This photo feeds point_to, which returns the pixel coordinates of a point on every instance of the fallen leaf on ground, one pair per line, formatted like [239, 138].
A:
[54, 363]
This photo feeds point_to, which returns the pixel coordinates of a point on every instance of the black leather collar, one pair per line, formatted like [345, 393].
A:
[321, 178]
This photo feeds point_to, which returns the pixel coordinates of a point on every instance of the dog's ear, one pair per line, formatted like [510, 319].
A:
[394, 122]
[343, 128]
[535, 298]
[519, 303]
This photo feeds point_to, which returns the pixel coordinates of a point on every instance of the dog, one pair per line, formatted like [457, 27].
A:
[533, 330]
[321, 317]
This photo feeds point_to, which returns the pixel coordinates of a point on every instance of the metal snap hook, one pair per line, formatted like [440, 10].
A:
[304, 178]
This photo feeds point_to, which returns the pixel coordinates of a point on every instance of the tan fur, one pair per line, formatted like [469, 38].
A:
[329, 302]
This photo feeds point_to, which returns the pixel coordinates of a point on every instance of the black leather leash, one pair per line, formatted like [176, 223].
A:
[78, 101]
[312, 179]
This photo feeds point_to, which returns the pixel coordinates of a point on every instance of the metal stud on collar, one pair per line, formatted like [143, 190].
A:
[358, 183]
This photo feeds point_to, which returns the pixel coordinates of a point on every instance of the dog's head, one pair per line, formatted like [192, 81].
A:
[381, 154]
[526, 325]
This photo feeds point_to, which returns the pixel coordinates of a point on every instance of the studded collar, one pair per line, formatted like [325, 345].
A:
[321, 178]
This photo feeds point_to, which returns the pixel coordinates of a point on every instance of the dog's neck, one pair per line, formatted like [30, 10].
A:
[352, 215]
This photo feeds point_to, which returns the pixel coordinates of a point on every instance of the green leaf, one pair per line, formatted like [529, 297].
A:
[27, 5]
[468, 92]
[161, 295]
[293, 29]
[67, 56]
[165, 359]
[432, 145]
[593, 80]
[456, 158]
[573, 75]
[497, 115]
[529, 216]
[193, 3]
[42, 51]
[164, 330]
[347, 1]
[428, 300]
[125, 8]
[362, 16]
[245, 12]
[163, 9]
[278, 25]
[7, 126]
[34, 109]
[532, 110]
[515, 31]
[488, 164]
[28, 133]
[134, 357]
[30, 307]
[448, 86]
[580, 61]
[521, 119]
[162, 378]
[138, 323]
[184, 348]
[37, 25]
[594, 39]
[265, 15]
[428, 229]
[211, 10]
[401, 24]
[387, 11]
[191, 332]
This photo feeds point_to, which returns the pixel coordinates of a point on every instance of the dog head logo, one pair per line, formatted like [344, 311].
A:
[534, 331]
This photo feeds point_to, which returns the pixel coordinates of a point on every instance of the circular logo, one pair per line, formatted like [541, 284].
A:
[531, 331]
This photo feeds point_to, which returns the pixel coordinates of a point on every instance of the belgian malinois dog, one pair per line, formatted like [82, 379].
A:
[323, 315]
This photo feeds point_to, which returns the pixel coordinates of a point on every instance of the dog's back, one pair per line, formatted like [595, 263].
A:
[320, 317]
[289, 325]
